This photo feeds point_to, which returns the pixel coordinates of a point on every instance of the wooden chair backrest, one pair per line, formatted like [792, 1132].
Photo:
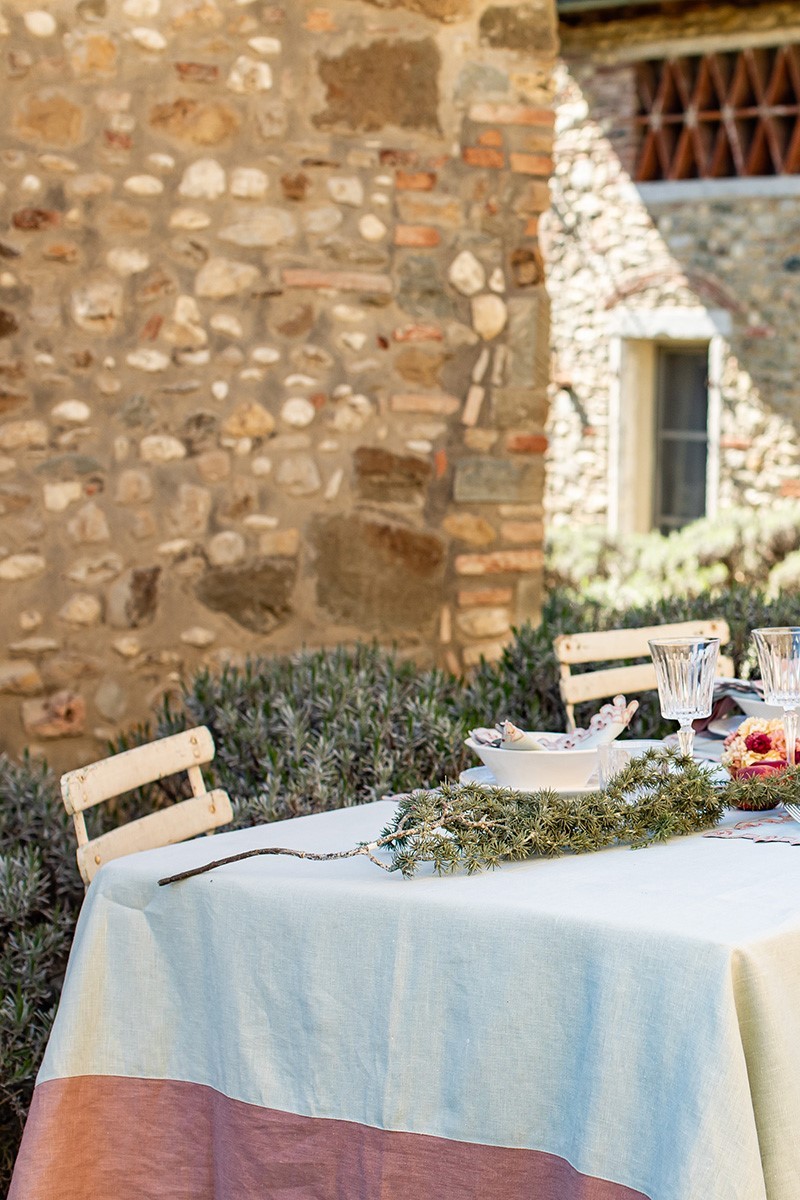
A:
[90, 785]
[611, 644]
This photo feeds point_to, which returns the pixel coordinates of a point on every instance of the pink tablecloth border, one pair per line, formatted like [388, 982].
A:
[131, 1139]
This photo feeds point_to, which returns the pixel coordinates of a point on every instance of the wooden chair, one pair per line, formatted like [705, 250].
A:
[99, 781]
[615, 644]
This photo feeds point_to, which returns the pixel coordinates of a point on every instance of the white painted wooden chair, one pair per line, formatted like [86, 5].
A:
[614, 644]
[109, 777]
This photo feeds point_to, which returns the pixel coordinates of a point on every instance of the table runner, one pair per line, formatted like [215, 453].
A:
[615, 1026]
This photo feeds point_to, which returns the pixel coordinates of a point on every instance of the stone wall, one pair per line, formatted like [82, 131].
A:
[607, 246]
[273, 354]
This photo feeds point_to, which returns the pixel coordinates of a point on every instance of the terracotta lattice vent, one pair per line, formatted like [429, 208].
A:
[715, 115]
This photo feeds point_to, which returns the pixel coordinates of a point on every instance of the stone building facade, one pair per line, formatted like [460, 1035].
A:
[674, 271]
[273, 340]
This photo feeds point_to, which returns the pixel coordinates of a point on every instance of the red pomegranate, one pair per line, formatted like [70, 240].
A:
[766, 766]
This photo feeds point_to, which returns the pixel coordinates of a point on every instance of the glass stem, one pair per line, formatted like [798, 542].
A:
[790, 730]
[686, 738]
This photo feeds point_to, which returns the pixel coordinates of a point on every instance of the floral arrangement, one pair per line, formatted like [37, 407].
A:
[757, 747]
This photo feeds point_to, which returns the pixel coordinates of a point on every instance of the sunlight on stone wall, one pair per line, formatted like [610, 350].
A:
[273, 340]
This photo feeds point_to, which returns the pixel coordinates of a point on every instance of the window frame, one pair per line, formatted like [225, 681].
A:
[633, 336]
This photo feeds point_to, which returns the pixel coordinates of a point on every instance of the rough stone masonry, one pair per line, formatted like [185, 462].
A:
[273, 340]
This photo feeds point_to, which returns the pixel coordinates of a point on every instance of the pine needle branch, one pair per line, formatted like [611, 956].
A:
[657, 796]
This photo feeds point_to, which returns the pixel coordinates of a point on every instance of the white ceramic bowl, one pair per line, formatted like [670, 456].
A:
[758, 708]
[636, 747]
[530, 770]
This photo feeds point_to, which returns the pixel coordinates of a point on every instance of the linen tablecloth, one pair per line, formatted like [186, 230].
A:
[614, 1026]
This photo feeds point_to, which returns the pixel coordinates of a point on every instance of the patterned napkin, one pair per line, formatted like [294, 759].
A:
[604, 727]
[762, 827]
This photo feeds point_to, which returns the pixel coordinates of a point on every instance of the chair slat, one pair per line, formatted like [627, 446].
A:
[180, 821]
[90, 785]
[615, 644]
[594, 685]
[609, 644]
[641, 677]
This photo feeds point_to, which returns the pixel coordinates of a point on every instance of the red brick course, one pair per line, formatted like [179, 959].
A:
[483, 156]
[320, 20]
[499, 562]
[438, 403]
[342, 281]
[485, 597]
[418, 333]
[526, 443]
[420, 236]
[511, 114]
[532, 164]
[415, 181]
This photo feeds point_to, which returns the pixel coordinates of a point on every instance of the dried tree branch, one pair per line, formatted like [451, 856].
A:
[232, 858]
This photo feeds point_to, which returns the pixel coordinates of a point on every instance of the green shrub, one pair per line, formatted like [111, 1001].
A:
[740, 547]
[785, 576]
[323, 729]
[40, 894]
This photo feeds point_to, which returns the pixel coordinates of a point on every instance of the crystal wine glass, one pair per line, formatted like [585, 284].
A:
[685, 672]
[779, 659]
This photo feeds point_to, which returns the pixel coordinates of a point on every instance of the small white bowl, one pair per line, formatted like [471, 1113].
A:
[532, 770]
[758, 708]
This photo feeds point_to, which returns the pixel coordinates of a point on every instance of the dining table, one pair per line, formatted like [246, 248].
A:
[618, 1025]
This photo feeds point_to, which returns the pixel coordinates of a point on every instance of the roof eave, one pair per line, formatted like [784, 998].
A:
[566, 7]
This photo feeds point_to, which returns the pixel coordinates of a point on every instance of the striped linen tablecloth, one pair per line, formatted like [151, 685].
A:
[616, 1026]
